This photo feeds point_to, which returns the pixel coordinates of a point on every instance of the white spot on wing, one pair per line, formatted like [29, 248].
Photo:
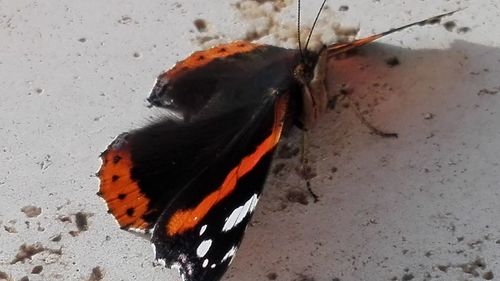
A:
[254, 203]
[139, 231]
[202, 230]
[229, 254]
[213, 265]
[154, 249]
[205, 263]
[177, 266]
[240, 213]
[203, 248]
[160, 262]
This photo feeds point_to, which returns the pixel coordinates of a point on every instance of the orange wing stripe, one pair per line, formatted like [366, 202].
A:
[122, 194]
[184, 220]
[201, 58]
[344, 47]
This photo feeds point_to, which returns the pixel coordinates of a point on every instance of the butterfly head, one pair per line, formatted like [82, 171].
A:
[310, 74]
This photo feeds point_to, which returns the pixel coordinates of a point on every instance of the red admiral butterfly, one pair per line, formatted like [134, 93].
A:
[193, 179]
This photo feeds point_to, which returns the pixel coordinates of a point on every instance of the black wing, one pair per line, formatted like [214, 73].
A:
[202, 227]
[196, 179]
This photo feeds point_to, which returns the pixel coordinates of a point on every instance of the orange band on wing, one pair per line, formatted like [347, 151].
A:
[122, 194]
[200, 58]
[184, 220]
[336, 49]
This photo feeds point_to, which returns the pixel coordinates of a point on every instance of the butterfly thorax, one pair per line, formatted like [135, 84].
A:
[311, 75]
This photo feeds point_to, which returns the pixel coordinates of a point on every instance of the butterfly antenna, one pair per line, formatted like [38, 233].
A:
[314, 24]
[298, 30]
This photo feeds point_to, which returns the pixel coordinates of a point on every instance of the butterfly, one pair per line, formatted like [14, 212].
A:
[192, 179]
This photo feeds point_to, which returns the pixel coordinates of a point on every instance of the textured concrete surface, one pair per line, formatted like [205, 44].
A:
[424, 206]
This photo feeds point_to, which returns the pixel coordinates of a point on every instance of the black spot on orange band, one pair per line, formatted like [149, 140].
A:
[201, 58]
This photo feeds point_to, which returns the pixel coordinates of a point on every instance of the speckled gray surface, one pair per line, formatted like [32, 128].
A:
[424, 206]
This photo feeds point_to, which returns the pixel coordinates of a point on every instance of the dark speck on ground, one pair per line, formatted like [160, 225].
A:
[464, 29]
[81, 221]
[200, 25]
[97, 274]
[37, 269]
[449, 25]
[272, 276]
[392, 61]
[343, 8]
[297, 196]
[407, 277]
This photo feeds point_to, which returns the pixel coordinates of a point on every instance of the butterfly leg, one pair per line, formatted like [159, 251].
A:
[306, 170]
[365, 122]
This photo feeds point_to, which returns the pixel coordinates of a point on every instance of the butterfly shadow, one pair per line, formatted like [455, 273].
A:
[375, 194]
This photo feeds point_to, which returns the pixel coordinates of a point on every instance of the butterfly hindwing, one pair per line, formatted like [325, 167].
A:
[123, 195]
[144, 169]
[200, 234]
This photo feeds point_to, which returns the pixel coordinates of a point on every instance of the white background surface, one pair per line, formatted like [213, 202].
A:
[395, 208]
